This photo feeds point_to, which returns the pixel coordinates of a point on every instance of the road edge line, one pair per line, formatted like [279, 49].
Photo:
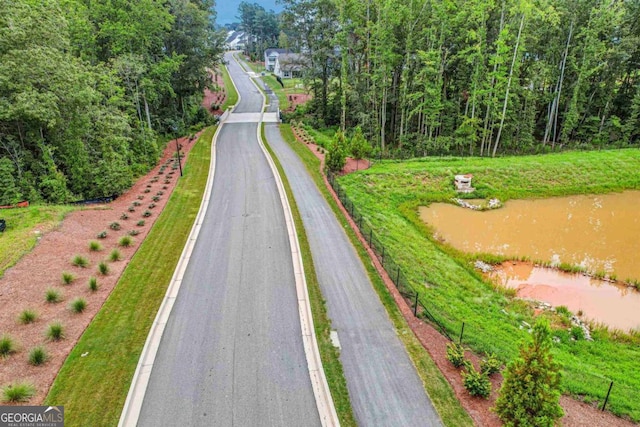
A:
[137, 391]
[324, 401]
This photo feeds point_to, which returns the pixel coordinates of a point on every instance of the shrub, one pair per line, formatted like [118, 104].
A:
[133, 233]
[95, 246]
[490, 365]
[152, 205]
[531, 388]
[115, 255]
[67, 278]
[52, 296]
[124, 216]
[27, 316]
[140, 223]
[132, 209]
[577, 333]
[93, 284]
[164, 187]
[140, 197]
[103, 268]
[155, 198]
[167, 181]
[455, 354]
[80, 261]
[78, 305]
[115, 226]
[159, 193]
[147, 190]
[7, 345]
[146, 214]
[18, 392]
[37, 356]
[102, 235]
[55, 331]
[136, 203]
[476, 383]
[125, 241]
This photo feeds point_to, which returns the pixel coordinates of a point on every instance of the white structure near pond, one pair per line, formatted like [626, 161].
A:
[463, 183]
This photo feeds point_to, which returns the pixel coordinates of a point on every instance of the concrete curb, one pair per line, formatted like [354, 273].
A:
[135, 397]
[324, 401]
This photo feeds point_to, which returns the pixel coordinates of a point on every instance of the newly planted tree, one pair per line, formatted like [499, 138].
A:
[531, 389]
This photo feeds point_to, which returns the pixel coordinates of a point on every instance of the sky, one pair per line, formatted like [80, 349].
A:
[228, 9]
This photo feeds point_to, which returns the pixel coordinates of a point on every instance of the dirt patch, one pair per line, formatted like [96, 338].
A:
[577, 414]
[23, 286]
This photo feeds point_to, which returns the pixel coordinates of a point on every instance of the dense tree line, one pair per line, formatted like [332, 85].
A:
[89, 88]
[480, 77]
[261, 27]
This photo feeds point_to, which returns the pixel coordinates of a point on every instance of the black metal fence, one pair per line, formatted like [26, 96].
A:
[406, 289]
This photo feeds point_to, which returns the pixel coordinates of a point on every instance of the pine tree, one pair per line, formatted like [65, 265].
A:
[531, 389]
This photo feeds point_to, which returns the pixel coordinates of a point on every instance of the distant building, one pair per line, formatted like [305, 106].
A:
[270, 56]
[236, 40]
[290, 65]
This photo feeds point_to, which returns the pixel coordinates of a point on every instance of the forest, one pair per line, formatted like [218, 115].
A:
[90, 91]
[473, 77]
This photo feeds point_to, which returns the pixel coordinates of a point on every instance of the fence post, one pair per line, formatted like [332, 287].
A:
[360, 223]
[382, 260]
[398, 277]
[415, 307]
[461, 333]
[371, 238]
[606, 399]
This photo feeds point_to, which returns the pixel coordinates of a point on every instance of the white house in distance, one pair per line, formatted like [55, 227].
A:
[289, 65]
[270, 56]
[236, 40]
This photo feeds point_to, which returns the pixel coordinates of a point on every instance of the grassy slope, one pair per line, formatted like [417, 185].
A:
[322, 324]
[19, 237]
[435, 384]
[388, 196]
[115, 337]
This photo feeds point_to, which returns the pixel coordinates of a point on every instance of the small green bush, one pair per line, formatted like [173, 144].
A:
[146, 214]
[140, 223]
[67, 278]
[27, 316]
[159, 193]
[152, 205]
[132, 209]
[38, 356]
[115, 226]
[78, 305]
[102, 235]
[95, 246]
[577, 333]
[455, 354]
[103, 268]
[52, 296]
[80, 261]
[476, 383]
[124, 216]
[136, 203]
[55, 331]
[93, 284]
[125, 241]
[147, 190]
[155, 198]
[490, 365]
[115, 255]
[7, 345]
[133, 233]
[18, 392]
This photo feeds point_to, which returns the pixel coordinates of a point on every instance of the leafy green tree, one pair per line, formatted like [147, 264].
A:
[9, 193]
[336, 157]
[531, 389]
[360, 148]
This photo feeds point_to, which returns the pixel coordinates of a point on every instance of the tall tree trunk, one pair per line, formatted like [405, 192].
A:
[506, 96]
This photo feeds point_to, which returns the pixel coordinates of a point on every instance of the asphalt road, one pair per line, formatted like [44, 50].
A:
[384, 387]
[232, 352]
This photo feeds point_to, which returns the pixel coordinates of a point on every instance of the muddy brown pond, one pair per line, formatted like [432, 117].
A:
[600, 233]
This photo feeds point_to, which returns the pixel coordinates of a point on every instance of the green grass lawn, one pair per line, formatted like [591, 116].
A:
[232, 94]
[291, 86]
[435, 384]
[389, 194]
[93, 388]
[24, 225]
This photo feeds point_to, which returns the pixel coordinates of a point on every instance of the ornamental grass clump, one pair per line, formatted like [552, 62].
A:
[95, 246]
[67, 278]
[125, 241]
[93, 284]
[18, 392]
[55, 331]
[103, 268]
[78, 305]
[115, 255]
[27, 316]
[7, 346]
[80, 261]
[38, 356]
[52, 296]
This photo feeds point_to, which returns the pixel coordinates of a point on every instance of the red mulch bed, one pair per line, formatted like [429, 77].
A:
[217, 97]
[577, 414]
[23, 286]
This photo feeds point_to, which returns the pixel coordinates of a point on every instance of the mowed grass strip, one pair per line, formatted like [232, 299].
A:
[93, 388]
[388, 196]
[230, 89]
[435, 384]
[322, 324]
[22, 223]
